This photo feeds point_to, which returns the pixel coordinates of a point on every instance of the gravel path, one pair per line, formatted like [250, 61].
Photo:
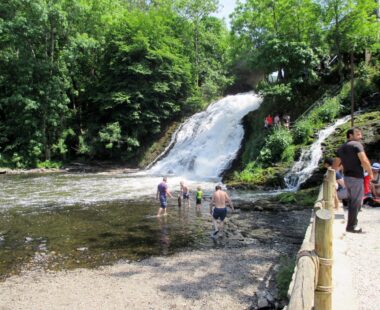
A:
[363, 251]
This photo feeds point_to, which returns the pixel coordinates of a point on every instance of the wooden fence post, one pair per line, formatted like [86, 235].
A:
[323, 244]
[329, 190]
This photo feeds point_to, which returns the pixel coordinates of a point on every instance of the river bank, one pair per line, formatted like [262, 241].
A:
[236, 271]
[76, 167]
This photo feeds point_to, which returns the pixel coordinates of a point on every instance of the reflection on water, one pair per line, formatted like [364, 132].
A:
[94, 234]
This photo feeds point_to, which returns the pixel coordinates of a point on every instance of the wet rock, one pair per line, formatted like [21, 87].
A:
[262, 303]
[269, 297]
[82, 249]
[42, 247]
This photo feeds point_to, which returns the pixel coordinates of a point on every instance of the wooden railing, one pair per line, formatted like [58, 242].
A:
[311, 287]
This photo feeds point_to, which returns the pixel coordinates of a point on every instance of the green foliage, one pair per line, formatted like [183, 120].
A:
[83, 147]
[71, 70]
[255, 175]
[48, 164]
[275, 91]
[288, 154]
[305, 197]
[111, 135]
[302, 131]
[284, 275]
[326, 113]
[275, 145]
[287, 197]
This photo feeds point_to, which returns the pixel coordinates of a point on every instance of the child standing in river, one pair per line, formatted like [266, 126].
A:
[198, 198]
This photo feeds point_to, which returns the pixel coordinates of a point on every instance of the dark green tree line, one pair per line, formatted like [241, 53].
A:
[100, 78]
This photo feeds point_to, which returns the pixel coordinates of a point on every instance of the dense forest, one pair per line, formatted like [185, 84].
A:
[102, 79]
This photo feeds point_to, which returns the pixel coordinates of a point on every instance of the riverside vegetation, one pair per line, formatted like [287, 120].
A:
[99, 80]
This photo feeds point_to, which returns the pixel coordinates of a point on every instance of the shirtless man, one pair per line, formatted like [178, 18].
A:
[184, 193]
[218, 208]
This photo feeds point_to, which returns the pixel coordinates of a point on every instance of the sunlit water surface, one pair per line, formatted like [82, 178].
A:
[93, 219]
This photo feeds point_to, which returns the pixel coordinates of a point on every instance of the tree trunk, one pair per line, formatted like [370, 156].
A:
[352, 90]
[337, 43]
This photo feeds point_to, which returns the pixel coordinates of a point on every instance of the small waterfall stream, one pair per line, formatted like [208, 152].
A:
[309, 158]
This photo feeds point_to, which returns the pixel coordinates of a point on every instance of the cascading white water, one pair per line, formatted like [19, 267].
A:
[203, 148]
[208, 141]
[309, 158]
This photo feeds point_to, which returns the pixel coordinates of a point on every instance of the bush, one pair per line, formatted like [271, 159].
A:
[327, 112]
[302, 131]
[254, 174]
[287, 198]
[288, 154]
[284, 275]
[275, 91]
[275, 145]
[47, 164]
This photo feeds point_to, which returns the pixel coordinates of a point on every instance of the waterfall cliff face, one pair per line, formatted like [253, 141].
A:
[207, 142]
[309, 159]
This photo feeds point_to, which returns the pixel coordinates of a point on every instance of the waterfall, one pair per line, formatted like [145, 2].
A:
[309, 158]
[207, 142]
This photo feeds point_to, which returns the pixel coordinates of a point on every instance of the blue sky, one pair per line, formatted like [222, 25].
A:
[227, 8]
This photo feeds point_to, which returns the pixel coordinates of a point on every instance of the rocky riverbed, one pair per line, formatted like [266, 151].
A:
[236, 271]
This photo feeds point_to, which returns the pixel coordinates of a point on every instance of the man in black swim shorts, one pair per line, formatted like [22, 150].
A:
[218, 208]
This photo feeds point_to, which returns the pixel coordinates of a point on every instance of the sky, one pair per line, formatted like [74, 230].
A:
[227, 7]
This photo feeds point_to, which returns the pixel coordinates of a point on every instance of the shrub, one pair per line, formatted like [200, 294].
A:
[302, 131]
[288, 154]
[327, 112]
[287, 198]
[47, 164]
[276, 144]
[284, 275]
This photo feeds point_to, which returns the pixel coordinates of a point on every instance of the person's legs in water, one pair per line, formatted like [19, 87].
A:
[162, 208]
[219, 213]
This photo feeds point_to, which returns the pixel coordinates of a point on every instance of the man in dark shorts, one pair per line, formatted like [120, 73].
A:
[162, 192]
[218, 208]
[184, 193]
[353, 158]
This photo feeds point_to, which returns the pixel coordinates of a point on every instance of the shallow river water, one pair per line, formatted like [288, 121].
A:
[86, 220]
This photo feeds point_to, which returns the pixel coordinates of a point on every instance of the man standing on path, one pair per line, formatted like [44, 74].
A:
[218, 208]
[162, 191]
[353, 158]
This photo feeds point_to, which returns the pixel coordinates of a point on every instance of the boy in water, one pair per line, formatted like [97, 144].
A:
[198, 198]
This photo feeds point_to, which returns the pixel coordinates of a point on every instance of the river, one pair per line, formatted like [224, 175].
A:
[69, 220]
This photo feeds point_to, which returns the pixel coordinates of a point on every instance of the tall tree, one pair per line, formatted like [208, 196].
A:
[196, 11]
[33, 97]
[278, 31]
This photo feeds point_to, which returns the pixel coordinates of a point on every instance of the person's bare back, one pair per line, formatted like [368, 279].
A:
[220, 198]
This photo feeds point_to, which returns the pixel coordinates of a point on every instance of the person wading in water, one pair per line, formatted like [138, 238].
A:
[218, 209]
